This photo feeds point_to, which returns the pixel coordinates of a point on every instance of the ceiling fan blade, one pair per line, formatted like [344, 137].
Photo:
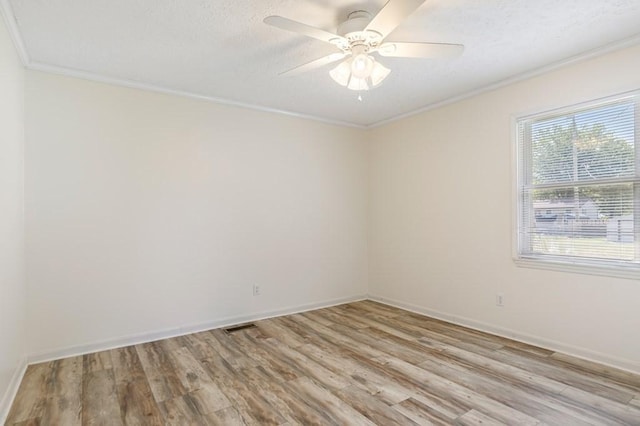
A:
[317, 63]
[304, 29]
[420, 50]
[391, 15]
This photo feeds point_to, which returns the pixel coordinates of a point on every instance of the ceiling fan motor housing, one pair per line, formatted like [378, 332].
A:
[353, 30]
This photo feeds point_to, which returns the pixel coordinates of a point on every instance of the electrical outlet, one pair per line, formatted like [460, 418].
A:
[256, 290]
[499, 299]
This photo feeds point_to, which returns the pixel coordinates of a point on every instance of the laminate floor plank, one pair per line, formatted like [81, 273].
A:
[574, 379]
[226, 417]
[476, 418]
[370, 407]
[621, 413]
[365, 378]
[307, 366]
[251, 405]
[209, 398]
[455, 391]
[376, 308]
[334, 314]
[455, 331]
[439, 406]
[189, 371]
[282, 333]
[422, 414]
[336, 338]
[126, 365]
[264, 356]
[414, 330]
[393, 387]
[511, 394]
[64, 401]
[411, 345]
[358, 363]
[161, 374]
[604, 382]
[198, 345]
[181, 411]
[100, 405]
[30, 422]
[317, 317]
[229, 351]
[506, 371]
[32, 394]
[433, 337]
[377, 323]
[469, 335]
[97, 361]
[324, 401]
[278, 395]
[305, 333]
[590, 368]
[137, 404]
[361, 375]
[401, 349]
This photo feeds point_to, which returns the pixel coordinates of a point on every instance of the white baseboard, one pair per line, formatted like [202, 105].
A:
[180, 331]
[578, 352]
[12, 390]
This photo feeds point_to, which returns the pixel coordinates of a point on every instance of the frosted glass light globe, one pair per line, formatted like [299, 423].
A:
[362, 66]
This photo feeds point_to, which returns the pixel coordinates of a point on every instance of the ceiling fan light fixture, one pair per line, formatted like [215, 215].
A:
[361, 72]
[362, 65]
[342, 73]
[358, 84]
[378, 73]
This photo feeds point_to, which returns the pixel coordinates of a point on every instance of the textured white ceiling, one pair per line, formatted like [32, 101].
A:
[222, 49]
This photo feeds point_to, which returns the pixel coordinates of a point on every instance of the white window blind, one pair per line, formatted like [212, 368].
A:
[578, 185]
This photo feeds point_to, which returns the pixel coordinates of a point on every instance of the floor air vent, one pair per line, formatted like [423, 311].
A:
[235, 328]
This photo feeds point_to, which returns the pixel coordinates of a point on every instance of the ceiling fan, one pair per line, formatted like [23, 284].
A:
[360, 36]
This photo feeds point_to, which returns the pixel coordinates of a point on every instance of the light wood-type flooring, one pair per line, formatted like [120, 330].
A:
[361, 363]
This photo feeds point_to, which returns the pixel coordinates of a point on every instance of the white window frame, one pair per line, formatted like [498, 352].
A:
[570, 264]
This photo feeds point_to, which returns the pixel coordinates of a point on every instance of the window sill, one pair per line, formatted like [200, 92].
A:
[601, 270]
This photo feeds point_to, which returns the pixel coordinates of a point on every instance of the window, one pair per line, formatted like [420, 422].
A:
[578, 187]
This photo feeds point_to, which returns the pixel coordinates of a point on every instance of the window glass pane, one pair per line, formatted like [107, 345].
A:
[594, 248]
[587, 145]
[590, 221]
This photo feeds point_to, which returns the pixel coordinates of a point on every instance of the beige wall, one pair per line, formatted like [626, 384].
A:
[148, 212]
[12, 286]
[441, 221]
